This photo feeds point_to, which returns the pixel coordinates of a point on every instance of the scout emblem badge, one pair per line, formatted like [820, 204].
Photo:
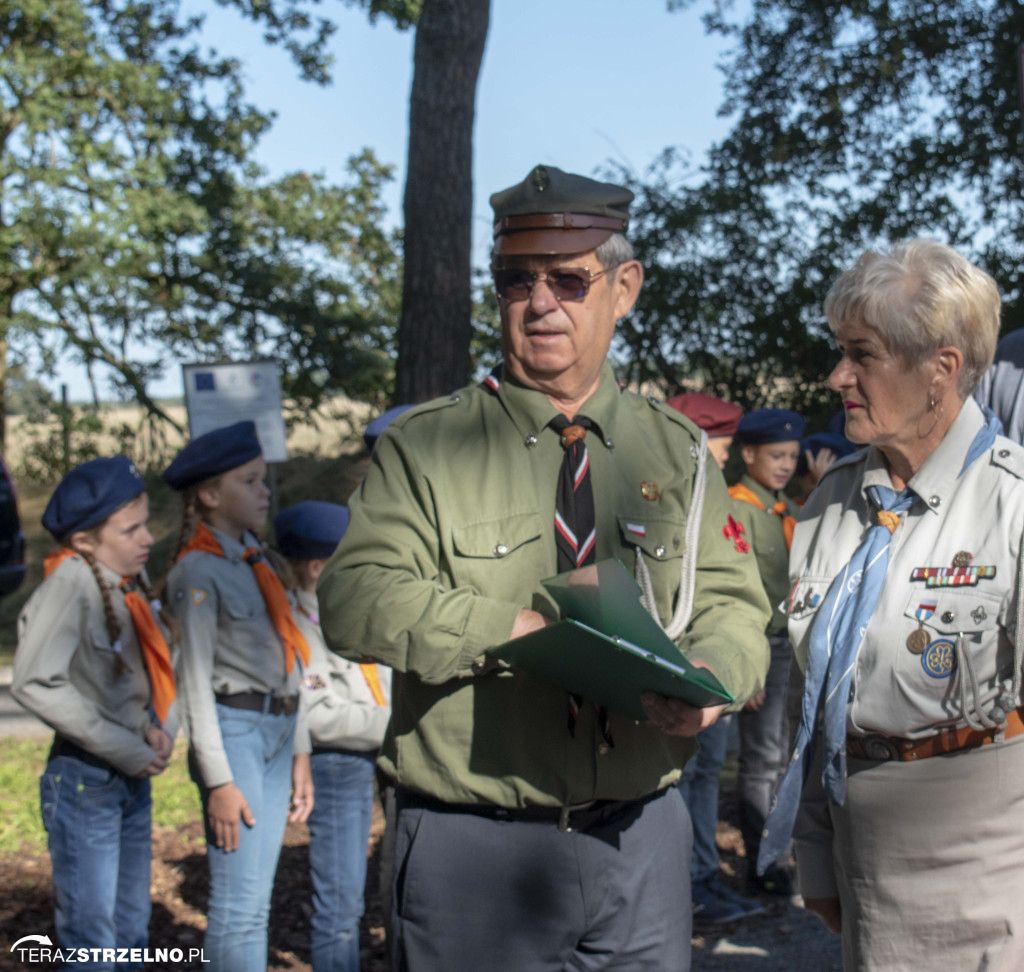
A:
[939, 659]
[917, 640]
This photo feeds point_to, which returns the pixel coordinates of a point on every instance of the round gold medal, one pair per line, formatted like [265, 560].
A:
[917, 641]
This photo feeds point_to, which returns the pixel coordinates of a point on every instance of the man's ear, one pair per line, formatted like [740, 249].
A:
[629, 278]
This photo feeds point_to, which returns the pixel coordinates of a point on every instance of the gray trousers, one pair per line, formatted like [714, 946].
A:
[472, 892]
[764, 747]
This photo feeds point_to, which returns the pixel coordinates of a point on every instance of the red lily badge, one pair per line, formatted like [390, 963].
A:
[734, 531]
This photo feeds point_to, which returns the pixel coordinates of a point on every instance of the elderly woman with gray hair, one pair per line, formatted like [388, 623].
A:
[906, 780]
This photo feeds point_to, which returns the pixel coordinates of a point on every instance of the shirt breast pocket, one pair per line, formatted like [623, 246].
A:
[661, 542]
[500, 556]
[953, 611]
[108, 653]
[806, 594]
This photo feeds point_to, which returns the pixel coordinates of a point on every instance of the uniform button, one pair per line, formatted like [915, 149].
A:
[771, 550]
[530, 441]
[659, 551]
[455, 398]
[604, 749]
[1003, 453]
[675, 543]
[948, 617]
[609, 443]
[934, 501]
[500, 550]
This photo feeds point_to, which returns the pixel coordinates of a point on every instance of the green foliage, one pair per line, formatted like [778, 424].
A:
[22, 761]
[133, 219]
[856, 123]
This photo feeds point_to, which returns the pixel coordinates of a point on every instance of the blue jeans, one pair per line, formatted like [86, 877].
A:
[259, 751]
[98, 825]
[699, 788]
[339, 830]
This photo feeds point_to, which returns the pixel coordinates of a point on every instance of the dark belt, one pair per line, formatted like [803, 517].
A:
[581, 816]
[63, 746]
[260, 702]
[878, 747]
[370, 754]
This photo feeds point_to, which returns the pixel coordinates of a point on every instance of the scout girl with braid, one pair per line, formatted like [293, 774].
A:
[94, 665]
[240, 667]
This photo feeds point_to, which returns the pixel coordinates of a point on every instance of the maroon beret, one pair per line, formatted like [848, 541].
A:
[714, 415]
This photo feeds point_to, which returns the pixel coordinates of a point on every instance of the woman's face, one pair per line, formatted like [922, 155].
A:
[884, 400]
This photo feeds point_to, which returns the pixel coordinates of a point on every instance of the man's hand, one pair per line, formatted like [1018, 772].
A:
[828, 910]
[676, 718]
[528, 621]
[302, 789]
[224, 809]
[755, 701]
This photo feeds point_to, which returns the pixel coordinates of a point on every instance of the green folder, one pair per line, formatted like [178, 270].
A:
[607, 648]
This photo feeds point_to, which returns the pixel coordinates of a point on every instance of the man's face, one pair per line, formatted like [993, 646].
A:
[559, 346]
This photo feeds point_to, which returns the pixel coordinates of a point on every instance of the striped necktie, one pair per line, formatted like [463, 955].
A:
[575, 527]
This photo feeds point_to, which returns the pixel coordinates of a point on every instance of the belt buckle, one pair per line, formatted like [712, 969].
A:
[880, 748]
[565, 812]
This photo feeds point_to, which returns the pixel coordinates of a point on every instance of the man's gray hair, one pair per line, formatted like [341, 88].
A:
[614, 251]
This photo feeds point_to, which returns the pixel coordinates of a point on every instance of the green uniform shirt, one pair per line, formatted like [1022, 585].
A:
[768, 541]
[450, 536]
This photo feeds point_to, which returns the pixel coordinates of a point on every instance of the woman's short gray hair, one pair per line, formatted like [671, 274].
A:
[922, 296]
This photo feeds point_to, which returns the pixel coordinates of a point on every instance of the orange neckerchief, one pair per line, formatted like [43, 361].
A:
[271, 588]
[747, 495]
[155, 653]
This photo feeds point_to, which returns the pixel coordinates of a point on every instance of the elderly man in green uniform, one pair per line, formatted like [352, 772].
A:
[535, 831]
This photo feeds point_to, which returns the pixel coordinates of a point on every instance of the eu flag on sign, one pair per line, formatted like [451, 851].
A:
[204, 381]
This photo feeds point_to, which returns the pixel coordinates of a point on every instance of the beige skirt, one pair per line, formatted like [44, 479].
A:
[929, 861]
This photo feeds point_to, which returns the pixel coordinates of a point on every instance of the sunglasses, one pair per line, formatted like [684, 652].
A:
[566, 283]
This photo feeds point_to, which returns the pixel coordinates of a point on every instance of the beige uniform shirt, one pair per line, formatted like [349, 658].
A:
[69, 673]
[980, 513]
[341, 711]
[228, 645]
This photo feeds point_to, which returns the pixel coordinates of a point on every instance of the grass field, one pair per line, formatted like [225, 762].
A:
[175, 798]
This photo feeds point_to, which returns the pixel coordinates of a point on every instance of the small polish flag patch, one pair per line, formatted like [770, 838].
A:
[636, 529]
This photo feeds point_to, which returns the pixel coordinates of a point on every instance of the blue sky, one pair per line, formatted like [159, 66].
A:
[571, 83]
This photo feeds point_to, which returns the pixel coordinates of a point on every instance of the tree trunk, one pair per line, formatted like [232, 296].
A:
[436, 320]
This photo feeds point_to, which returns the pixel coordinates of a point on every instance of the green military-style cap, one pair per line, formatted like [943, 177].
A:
[552, 211]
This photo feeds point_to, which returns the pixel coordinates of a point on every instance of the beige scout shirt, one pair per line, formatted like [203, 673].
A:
[980, 513]
[228, 645]
[341, 711]
[69, 673]
[452, 533]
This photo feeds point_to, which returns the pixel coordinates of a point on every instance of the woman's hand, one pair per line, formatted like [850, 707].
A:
[224, 808]
[676, 718]
[302, 789]
[828, 910]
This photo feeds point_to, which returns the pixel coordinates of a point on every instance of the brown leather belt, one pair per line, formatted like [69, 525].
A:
[260, 702]
[878, 747]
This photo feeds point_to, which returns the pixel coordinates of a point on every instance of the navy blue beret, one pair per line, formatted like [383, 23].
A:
[380, 423]
[310, 529]
[212, 454]
[766, 425]
[90, 493]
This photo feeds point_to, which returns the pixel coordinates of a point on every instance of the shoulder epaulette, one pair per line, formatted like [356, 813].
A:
[1009, 456]
[670, 413]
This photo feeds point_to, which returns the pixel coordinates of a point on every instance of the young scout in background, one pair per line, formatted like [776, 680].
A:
[93, 664]
[347, 709]
[239, 672]
[770, 447]
[713, 901]
[532, 833]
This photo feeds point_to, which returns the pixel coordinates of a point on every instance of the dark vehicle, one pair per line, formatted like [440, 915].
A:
[12, 540]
